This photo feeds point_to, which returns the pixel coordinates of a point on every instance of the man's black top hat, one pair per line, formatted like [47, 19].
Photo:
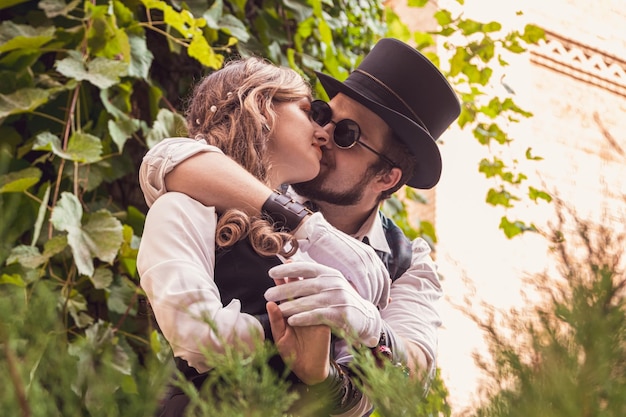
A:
[410, 94]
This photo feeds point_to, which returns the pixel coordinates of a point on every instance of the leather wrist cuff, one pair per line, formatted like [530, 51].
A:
[265, 322]
[285, 213]
[392, 348]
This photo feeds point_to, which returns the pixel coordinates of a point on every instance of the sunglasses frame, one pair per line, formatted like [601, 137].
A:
[350, 121]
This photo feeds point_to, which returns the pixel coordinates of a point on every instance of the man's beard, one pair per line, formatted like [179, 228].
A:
[314, 190]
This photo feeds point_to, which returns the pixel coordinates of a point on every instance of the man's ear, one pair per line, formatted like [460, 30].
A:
[389, 179]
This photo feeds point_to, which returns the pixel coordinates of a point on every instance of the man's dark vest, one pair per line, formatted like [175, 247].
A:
[399, 260]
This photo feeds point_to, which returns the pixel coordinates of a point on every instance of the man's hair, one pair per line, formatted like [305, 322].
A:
[233, 109]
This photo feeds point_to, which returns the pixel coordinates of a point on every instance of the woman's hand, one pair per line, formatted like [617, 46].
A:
[305, 349]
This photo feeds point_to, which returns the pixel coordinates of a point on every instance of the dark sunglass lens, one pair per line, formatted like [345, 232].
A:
[320, 112]
[346, 133]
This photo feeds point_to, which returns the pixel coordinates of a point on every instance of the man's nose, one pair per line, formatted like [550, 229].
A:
[322, 135]
[329, 130]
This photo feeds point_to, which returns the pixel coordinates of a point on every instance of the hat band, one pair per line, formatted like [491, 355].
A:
[393, 93]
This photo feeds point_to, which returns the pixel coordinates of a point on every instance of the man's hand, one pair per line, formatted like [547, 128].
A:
[324, 296]
[305, 349]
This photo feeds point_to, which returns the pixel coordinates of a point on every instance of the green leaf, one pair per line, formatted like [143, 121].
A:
[458, 62]
[500, 198]
[533, 34]
[485, 133]
[491, 168]
[84, 148]
[19, 181]
[66, 216]
[27, 256]
[23, 37]
[199, 49]
[104, 37]
[414, 195]
[122, 130]
[101, 72]
[129, 250]
[101, 235]
[81, 147]
[55, 8]
[428, 229]
[23, 101]
[129, 385]
[417, 3]
[105, 231]
[469, 26]
[54, 245]
[512, 229]
[423, 40]
[77, 307]
[233, 26]
[12, 279]
[166, 125]
[443, 17]
[530, 156]
[120, 296]
[491, 27]
[102, 278]
[41, 214]
[140, 57]
[301, 10]
[534, 194]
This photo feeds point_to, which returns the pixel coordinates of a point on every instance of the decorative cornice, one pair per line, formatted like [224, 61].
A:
[581, 62]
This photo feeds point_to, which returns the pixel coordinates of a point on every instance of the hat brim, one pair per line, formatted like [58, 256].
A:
[420, 143]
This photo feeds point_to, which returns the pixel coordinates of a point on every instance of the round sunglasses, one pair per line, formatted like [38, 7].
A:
[347, 132]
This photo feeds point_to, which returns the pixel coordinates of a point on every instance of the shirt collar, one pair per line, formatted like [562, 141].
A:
[373, 230]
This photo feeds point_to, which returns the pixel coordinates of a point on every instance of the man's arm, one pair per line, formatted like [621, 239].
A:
[412, 314]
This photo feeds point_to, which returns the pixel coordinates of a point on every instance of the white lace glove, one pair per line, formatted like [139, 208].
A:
[324, 296]
[357, 261]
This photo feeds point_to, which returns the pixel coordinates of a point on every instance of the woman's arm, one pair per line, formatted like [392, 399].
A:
[176, 262]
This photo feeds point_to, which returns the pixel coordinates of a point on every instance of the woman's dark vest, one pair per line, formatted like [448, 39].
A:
[240, 273]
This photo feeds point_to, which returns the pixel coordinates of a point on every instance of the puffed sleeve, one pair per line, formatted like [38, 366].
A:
[176, 261]
[412, 312]
[162, 159]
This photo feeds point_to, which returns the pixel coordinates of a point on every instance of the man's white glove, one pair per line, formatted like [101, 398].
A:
[357, 261]
[324, 296]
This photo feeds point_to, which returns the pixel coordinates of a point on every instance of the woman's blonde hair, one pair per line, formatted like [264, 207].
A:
[233, 109]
